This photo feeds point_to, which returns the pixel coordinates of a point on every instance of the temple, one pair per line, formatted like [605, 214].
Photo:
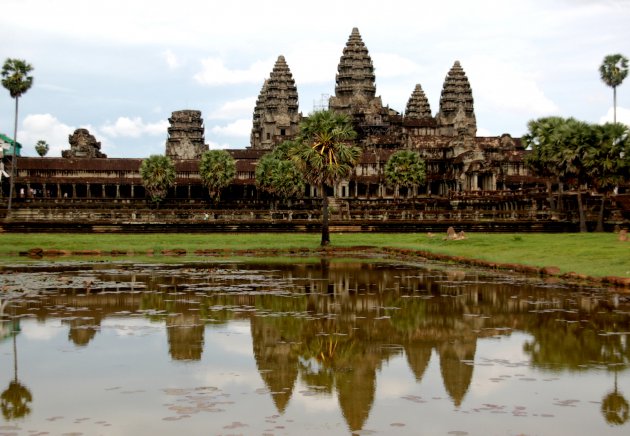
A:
[470, 178]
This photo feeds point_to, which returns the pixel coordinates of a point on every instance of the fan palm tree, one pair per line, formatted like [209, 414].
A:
[325, 155]
[158, 174]
[217, 169]
[41, 148]
[545, 146]
[405, 168]
[608, 161]
[16, 79]
[613, 71]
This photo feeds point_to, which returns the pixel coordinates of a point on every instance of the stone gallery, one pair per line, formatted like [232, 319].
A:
[467, 175]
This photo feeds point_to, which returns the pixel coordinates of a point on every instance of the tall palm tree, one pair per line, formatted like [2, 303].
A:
[405, 168]
[544, 144]
[607, 161]
[326, 155]
[16, 79]
[217, 169]
[158, 174]
[613, 71]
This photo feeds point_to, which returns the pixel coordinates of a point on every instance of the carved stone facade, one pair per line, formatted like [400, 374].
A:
[185, 135]
[276, 116]
[83, 145]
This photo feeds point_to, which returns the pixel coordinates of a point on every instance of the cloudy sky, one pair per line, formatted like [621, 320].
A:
[120, 67]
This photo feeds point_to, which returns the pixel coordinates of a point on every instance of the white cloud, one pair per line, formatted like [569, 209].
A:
[506, 86]
[216, 146]
[239, 128]
[234, 109]
[215, 73]
[388, 65]
[623, 116]
[171, 59]
[134, 128]
[45, 127]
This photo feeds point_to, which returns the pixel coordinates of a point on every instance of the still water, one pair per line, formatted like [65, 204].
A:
[308, 347]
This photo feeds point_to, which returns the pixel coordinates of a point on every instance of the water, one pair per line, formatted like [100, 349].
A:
[347, 346]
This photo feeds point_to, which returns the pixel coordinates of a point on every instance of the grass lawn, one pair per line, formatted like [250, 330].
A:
[593, 254]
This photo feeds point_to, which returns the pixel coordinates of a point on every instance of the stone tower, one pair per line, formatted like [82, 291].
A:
[276, 115]
[355, 90]
[83, 144]
[185, 135]
[457, 113]
[418, 105]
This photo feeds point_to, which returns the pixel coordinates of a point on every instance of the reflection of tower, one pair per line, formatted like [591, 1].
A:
[456, 374]
[276, 360]
[356, 389]
[185, 336]
[82, 330]
[418, 357]
[16, 398]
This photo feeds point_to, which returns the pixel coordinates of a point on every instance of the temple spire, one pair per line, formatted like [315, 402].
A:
[276, 114]
[418, 104]
[355, 88]
[457, 113]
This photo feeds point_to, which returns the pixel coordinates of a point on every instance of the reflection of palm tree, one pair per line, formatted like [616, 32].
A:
[615, 407]
[16, 398]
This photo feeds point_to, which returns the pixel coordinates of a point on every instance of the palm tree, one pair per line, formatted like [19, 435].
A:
[16, 398]
[41, 148]
[158, 174]
[16, 79]
[405, 168]
[613, 71]
[217, 169]
[608, 161]
[325, 155]
[544, 145]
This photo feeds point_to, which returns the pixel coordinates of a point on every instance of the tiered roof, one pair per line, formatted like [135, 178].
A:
[456, 103]
[418, 104]
[355, 71]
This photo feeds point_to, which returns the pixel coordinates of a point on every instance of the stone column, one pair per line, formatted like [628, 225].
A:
[74, 190]
[88, 191]
[44, 192]
[117, 190]
[102, 191]
[59, 195]
[132, 190]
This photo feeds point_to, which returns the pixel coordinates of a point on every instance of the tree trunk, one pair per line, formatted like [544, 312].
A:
[13, 158]
[325, 229]
[600, 217]
[615, 104]
[581, 212]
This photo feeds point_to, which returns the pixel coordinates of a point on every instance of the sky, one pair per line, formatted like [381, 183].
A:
[120, 67]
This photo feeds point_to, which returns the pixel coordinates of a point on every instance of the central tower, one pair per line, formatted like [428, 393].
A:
[355, 90]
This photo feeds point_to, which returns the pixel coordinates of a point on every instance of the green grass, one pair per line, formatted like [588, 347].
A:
[593, 254]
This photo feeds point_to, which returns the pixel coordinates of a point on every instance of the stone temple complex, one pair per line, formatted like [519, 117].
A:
[469, 178]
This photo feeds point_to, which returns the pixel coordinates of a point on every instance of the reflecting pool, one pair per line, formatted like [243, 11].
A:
[308, 347]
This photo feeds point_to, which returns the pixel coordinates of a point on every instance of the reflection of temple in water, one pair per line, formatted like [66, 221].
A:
[332, 325]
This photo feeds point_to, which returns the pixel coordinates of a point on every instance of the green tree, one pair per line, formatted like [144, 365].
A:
[277, 174]
[41, 148]
[405, 168]
[16, 79]
[576, 137]
[613, 71]
[325, 155]
[544, 146]
[217, 169]
[158, 174]
[607, 162]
